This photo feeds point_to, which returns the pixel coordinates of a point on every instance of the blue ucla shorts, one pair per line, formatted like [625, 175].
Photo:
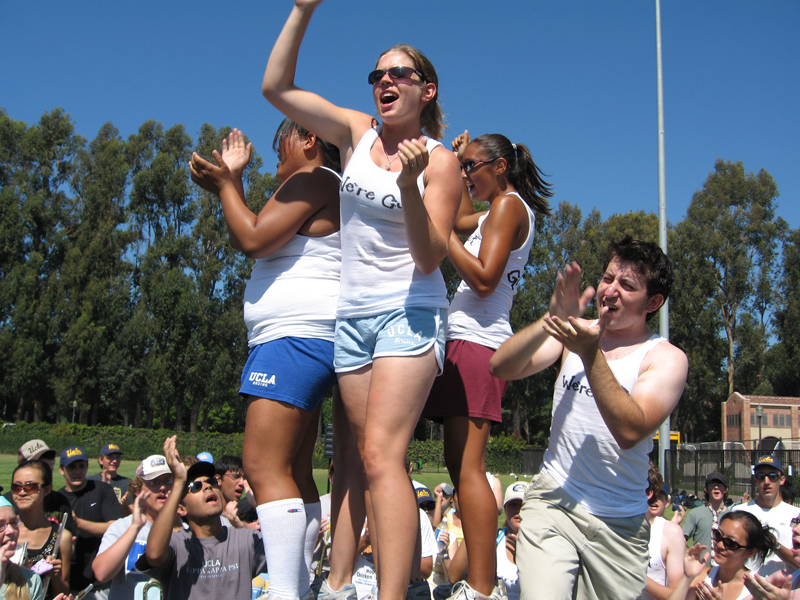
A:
[297, 371]
[401, 332]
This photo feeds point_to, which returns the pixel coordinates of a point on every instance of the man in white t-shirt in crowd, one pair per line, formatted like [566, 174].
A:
[583, 532]
[769, 508]
[125, 539]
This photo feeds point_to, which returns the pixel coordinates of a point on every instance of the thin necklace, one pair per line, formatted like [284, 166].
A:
[391, 160]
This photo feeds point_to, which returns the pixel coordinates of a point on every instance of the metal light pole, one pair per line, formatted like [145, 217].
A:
[663, 316]
[760, 415]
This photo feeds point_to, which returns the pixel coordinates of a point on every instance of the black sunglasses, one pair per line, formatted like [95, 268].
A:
[773, 476]
[468, 166]
[394, 73]
[197, 484]
[727, 542]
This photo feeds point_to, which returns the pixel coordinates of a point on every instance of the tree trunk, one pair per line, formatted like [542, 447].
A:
[515, 410]
[194, 416]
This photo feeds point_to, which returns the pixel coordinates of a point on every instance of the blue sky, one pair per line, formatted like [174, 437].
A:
[575, 81]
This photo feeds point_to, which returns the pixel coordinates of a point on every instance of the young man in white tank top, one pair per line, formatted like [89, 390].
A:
[617, 384]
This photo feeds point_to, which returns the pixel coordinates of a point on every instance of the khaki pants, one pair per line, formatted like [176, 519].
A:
[565, 553]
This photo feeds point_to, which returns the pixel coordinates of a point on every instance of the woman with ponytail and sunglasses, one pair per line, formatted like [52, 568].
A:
[739, 538]
[399, 197]
[491, 264]
[31, 483]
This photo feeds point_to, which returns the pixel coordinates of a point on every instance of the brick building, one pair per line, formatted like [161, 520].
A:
[781, 419]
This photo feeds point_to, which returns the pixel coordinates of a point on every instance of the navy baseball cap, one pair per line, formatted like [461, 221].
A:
[769, 461]
[71, 454]
[200, 469]
[423, 495]
[110, 449]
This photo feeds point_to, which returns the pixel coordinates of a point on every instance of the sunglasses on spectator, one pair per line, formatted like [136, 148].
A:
[426, 506]
[197, 484]
[155, 484]
[727, 542]
[773, 476]
[30, 487]
[395, 73]
[468, 166]
[13, 522]
[795, 522]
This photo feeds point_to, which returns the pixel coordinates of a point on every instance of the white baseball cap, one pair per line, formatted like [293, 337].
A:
[152, 467]
[515, 491]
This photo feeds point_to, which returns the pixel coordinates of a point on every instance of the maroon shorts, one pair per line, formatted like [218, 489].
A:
[466, 388]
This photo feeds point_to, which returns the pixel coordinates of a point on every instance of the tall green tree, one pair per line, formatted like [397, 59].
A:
[784, 357]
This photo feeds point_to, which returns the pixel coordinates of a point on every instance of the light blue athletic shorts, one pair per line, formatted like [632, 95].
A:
[401, 332]
[298, 371]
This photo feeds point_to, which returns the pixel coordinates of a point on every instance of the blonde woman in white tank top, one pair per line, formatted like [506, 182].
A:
[383, 397]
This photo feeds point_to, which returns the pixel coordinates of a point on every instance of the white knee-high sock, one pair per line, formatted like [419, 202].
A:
[283, 528]
[313, 516]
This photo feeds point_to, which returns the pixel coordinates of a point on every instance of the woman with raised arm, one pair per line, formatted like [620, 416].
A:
[739, 537]
[289, 310]
[491, 264]
[31, 483]
[399, 197]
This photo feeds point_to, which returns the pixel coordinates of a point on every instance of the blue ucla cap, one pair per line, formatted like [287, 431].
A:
[71, 454]
[769, 461]
[110, 449]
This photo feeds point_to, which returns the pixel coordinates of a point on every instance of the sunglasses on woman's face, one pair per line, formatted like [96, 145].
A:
[30, 487]
[197, 484]
[395, 73]
[727, 542]
[469, 166]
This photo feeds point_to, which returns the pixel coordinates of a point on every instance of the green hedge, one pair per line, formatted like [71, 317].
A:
[503, 453]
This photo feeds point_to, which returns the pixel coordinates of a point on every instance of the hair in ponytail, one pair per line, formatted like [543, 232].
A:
[759, 538]
[523, 173]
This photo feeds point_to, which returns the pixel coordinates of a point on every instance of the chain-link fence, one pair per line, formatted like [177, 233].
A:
[687, 469]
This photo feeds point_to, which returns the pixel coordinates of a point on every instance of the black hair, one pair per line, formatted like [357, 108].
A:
[649, 260]
[759, 538]
[431, 119]
[39, 465]
[228, 462]
[523, 173]
[330, 153]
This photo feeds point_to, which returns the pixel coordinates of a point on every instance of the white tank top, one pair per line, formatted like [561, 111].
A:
[712, 574]
[582, 455]
[506, 570]
[378, 273]
[656, 569]
[485, 320]
[293, 291]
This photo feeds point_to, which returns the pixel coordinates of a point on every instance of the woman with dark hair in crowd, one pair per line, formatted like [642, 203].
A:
[491, 264]
[289, 310]
[739, 537]
[31, 482]
[399, 195]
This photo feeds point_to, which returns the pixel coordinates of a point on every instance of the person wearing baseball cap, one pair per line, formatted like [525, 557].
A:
[109, 460]
[37, 450]
[770, 509]
[94, 506]
[507, 539]
[125, 540]
[699, 522]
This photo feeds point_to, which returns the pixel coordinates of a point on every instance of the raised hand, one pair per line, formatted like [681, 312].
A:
[235, 152]
[460, 144]
[777, 587]
[694, 561]
[567, 299]
[306, 4]
[174, 459]
[414, 156]
[139, 512]
[210, 177]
